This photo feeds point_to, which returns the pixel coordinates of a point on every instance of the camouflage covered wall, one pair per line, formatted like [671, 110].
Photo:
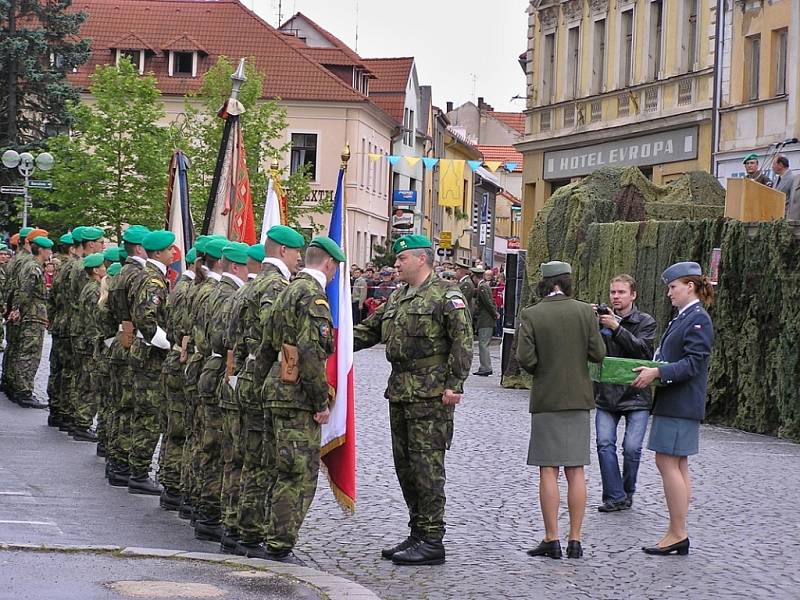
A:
[617, 221]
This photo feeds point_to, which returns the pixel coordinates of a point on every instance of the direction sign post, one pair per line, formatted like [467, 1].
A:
[13, 190]
[40, 184]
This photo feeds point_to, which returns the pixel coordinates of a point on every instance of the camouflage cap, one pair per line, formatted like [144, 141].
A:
[93, 260]
[114, 269]
[411, 242]
[256, 252]
[286, 236]
[158, 240]
[331, 247]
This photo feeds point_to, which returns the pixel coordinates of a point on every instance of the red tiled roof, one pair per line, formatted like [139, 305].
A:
[185, 43]
[344, 48]
[502, 153]
[514, 200]
[388, 89]
[223, 27]
[512, 119]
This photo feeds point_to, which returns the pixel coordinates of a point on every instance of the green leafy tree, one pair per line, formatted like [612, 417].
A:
[112, 170]
[262, 123]
[383, 254]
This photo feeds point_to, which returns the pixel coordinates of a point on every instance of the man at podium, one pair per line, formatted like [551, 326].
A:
[751, 168]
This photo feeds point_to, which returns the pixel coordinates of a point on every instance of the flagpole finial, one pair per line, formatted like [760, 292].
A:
[275, 166]
[345, 156]
[238, 79]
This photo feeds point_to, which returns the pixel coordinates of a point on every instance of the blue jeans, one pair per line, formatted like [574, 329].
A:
[616, 487]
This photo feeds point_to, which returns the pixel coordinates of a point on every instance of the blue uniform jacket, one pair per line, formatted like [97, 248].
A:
[686, 346]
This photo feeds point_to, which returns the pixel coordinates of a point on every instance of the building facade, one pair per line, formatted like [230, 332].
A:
[758, 76]
[616, 82]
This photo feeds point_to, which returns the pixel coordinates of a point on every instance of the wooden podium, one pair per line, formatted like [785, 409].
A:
[748, 201]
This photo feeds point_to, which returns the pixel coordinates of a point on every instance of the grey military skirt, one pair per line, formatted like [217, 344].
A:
[674, 436]
[560, 439]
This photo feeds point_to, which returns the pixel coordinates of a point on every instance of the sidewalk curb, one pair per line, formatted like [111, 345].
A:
[333, 587]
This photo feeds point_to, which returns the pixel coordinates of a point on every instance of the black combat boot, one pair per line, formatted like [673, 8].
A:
[229, 541]
[388, 553]
[101, 450]
[170, 500]
[185, 511]
[284, 556]
[118, 475]
[83, 435]
[53, 420]
[208, 529]
[422, 552]
[142, 484]
[251, 549]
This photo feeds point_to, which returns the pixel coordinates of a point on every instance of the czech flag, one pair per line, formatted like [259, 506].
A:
[339, 435]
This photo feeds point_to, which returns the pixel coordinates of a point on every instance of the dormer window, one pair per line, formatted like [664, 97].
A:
[182, 64]
[135, 56]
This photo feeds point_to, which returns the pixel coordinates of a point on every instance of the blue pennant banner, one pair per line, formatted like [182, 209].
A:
[430, 162]
[393, 160]
[510, 166]
[474, 164]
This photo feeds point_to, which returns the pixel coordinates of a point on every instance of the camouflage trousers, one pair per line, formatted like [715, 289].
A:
[145, 423]
[118, 434]
[12, 333]
[85, 398]
[210, 503]
[190, 459]
[294, 450]
[55, 384]
[421, 434]
[254, 482]
[101, 381]
[24, 362]
[231, 461]
[173, 421]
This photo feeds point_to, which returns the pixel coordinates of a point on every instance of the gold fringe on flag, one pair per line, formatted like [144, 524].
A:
[344, 501]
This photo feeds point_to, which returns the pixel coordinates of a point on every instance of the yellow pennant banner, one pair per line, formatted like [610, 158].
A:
[373, 157]
[493, 165]
[413, 160]
[451, 182]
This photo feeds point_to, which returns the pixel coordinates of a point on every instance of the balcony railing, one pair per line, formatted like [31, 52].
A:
[545, 120]
[569, 115]
[685, 92]
[623, 105]
[651, 97]
[596, 111]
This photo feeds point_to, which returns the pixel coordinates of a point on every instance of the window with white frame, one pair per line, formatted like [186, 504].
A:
[780, 44]
[656, 37]
[549, 69]
[598, 56]
[135, 56]
[573, 62]
[182, 64]
[691, 37]
[753, 62]
[304, 152]
[626, 48]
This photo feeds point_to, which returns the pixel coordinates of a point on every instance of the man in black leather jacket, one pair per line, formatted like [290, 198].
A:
[628, 333]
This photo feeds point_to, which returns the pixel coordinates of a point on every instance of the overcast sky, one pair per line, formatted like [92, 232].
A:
[463, 48]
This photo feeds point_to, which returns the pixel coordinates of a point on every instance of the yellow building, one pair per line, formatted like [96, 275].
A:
[759, 76]
[616, 82]
[458, 220]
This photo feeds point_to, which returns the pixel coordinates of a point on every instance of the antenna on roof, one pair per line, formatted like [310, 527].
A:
[356, 48]
[280, 13]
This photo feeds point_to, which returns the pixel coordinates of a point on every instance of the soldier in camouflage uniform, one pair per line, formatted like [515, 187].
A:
[86, 347]
[58, 331]
[209, 509]
[121, 297]
[102, 375]
[29, 312]
[297, 396]
[149, 350]
[18, 263]
[173, 379]
[427, 329]
[5, 256]
[283, 253]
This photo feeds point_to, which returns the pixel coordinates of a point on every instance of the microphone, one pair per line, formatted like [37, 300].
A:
[789, 141]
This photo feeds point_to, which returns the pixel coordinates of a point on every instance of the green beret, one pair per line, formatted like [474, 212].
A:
[256, 252]
[93, 260]
[555, 267]
[42, 242]
[751, 156]
[66, 239]
[200, 244]
[123, 256]
[331, 247]
[236, 252]
[214, 247]
[23, 233]
[191, 256]
[411, 242]
[158, 240]
[114, 269]
[91, 234]
[77, 234]
[3, 247]
[286, 236]
[135, 234]
[111, 254]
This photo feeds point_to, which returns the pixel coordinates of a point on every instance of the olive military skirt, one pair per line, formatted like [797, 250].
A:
[560, 439]
[674, 436]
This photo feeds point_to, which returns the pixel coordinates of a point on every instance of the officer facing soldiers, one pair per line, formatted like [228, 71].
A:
[427, 329]
[29, 312]
[297, 395]
[280, 260]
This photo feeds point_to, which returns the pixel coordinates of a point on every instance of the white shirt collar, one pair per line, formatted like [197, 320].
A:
[280, 264]
[463, 278]
[213, 275]
[251, 276]
[139, 260]
[158, 265]
[189, 275]
[692, 303]
[239, 283]
[318, 275]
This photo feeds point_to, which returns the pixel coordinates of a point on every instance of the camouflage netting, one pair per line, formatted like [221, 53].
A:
[617, 221]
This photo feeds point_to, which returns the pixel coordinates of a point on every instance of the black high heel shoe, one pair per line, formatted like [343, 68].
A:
[574, 549]
[548, 549]
[681, 548]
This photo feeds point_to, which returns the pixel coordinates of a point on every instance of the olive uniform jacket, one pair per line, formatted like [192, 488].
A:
[557, 337]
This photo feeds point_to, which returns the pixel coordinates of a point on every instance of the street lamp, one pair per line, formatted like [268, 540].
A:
[27, 164]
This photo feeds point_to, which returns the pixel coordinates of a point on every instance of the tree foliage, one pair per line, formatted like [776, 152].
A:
[263, 124]
[112, 170]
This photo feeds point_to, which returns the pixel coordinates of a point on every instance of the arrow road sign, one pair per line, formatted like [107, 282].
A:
[14, 190]
[40, 184]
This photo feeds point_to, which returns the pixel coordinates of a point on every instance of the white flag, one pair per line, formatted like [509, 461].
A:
[272, 211]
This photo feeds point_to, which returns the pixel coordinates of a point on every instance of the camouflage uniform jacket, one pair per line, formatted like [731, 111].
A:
[234, 336]
[56, 299]
[200, 307]
[257, 319]
[18, 263]
[91, 333]
[149, 313]
[428, 337]
[301, 317]
[178, 309]
[122, 295]
[218, 313]
[75, 279]
[3, 274]
[31, 299]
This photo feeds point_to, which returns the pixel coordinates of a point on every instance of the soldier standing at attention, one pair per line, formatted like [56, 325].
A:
[465, 284]
[5, 256]
[485, 317]
[282, 253]
[297, 395]
[58, 331]
[174, 412]
[86, 347]
[18, 263]
[427, 329]
[29, 311]
[149, 350]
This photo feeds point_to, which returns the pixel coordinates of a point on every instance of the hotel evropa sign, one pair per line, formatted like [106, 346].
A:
[655, 149]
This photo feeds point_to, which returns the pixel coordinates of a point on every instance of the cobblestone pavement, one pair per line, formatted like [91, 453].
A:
[743, 522]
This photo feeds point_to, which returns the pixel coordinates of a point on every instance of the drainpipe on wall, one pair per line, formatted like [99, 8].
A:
[717, 96]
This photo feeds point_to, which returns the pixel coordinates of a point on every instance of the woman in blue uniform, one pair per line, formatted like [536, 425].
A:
[679, 405]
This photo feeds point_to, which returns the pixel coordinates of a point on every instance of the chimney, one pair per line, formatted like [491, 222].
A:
[480, 102]
[449, 107]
